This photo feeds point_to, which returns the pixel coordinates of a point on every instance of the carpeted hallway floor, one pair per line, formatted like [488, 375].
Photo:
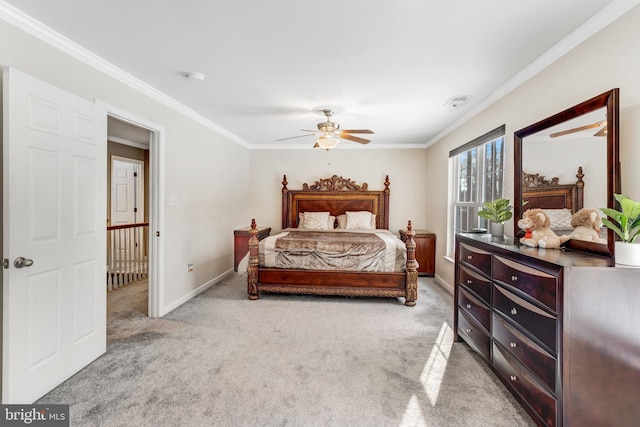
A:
[222, 360]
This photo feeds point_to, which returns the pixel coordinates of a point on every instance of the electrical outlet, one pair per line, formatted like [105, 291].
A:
[189, 268]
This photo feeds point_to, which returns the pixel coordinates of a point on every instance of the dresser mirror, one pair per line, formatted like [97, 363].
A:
[569, 161]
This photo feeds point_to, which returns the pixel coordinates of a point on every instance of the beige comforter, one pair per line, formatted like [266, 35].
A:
[353, 250]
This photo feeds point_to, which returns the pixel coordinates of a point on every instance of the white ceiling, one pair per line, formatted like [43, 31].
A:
[271, 66]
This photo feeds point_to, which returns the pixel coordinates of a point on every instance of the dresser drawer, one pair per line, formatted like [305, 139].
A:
[477, 283]
[533, 319]
[534, 357]
[524, 383]
[475, 308]
[473, 334]
[539, 285]
[476, 257]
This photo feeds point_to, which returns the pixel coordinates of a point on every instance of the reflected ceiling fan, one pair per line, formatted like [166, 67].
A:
[330, 133]
[601, 132]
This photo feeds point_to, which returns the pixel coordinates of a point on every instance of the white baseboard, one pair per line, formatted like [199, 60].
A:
[440, 281]
[177, 303]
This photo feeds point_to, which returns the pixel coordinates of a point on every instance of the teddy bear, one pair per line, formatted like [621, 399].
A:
[586, 224]
[536, 225]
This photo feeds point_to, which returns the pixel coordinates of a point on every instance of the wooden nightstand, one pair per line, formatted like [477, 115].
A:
[241, 243]
[425, 251]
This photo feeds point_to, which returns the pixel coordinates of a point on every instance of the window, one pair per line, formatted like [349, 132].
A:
[477, 176]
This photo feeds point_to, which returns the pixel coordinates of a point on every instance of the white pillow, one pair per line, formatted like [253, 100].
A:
[360, 220]
[560, 218]
[317, 220]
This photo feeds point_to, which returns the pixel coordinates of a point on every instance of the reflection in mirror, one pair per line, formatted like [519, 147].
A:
[564, 166]
[568, 162]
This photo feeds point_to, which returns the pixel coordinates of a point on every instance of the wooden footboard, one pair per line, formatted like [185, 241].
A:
[344, 283]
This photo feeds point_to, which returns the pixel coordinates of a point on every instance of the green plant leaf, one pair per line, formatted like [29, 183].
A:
[497, 211]
[613, 227]
[625, 222]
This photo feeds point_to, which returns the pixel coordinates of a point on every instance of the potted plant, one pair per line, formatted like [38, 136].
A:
[497, 211]
[626, 224]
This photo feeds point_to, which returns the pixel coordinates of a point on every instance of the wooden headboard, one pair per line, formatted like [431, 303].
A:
[335, 195]
[550, 194]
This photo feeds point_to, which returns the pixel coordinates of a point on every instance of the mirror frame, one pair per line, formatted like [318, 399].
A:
[610, 100]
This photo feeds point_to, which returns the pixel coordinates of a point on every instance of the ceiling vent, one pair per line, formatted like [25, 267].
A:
[456, 101]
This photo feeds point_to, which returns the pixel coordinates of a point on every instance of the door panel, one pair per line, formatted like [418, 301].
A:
[54, 184]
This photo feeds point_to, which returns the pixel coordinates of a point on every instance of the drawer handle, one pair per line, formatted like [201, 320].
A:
[514, 311]
[513, 344]
[513, 378]
[469, 256]
[468, 330]
[469, 282]
[468, 305]
[514, 278]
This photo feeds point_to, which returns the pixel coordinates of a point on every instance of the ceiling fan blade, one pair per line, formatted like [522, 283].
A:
[313, 131]
[358, 131]
[577, 129]
[354, 138]
[292, 137]
[316, 145]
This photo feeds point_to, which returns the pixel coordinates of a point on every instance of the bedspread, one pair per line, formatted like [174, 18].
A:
[352, 250]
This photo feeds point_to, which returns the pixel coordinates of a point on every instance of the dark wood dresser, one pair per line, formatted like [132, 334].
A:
[241, 243]
[559, 328]
[425, 251]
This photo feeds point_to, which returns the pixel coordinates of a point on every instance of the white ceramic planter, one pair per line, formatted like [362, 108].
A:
[627, 254]
[497, 229]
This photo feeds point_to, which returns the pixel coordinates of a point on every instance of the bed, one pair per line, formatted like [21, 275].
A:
[343, 199]
[559, 201]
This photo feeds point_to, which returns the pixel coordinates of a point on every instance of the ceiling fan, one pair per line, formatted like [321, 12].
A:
[601, 132]
[330, 133]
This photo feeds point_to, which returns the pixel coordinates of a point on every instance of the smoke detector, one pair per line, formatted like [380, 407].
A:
[456, 101]
[195, 77]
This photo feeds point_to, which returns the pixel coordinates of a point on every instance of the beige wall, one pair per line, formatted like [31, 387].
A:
[206, 171]
[406, 169]
[607, 60]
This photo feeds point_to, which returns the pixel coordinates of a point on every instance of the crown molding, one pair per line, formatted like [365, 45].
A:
[597, 22]
[37, 29]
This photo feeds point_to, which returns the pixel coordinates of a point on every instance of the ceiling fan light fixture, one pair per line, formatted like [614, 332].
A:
[328, 143]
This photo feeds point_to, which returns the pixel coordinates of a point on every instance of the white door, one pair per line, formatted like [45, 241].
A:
[127, 207]
[54, 189]
[127, 191]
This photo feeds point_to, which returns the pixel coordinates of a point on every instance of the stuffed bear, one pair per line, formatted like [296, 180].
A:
[536, 225]
[586, 224]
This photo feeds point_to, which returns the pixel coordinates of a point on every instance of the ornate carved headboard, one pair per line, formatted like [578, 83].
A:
[541, 193]
[335, 195]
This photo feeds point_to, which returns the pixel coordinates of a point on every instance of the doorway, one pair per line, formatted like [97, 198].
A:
[140, 141]
[127, 222]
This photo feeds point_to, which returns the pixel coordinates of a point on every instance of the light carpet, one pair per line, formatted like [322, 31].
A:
[222, 360]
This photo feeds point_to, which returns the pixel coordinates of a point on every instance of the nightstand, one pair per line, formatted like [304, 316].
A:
[425, 251]
[241, 243]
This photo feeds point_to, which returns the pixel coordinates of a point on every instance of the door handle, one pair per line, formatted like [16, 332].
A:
[22, 262]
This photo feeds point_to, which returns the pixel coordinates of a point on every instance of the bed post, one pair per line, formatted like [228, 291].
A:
[411, 278]
[579, 203]
[252, 269]
[285, 203]
[386, 202]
